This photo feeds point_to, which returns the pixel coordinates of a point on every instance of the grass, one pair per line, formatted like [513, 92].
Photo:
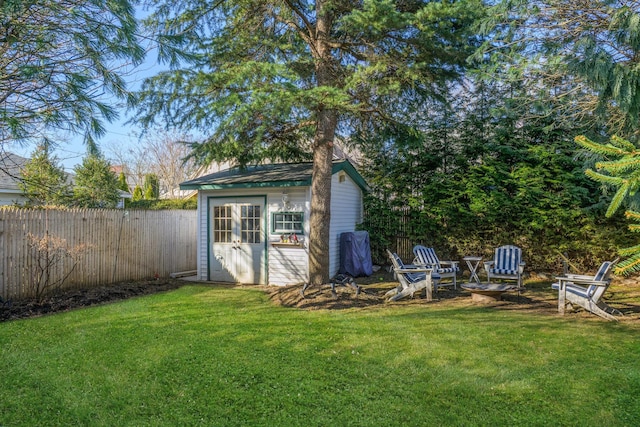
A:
[204, 355]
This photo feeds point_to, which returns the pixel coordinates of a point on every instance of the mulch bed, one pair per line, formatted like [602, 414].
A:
[535, 298]
[78, 298]
[373, 289]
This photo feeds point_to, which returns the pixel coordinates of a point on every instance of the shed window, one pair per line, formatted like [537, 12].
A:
[287, 222]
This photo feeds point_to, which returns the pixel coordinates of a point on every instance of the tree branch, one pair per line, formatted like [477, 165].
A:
[309, 26]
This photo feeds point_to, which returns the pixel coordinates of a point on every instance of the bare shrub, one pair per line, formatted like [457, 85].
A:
[52, 254]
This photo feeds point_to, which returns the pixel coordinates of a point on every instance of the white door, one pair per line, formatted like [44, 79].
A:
[237, 240]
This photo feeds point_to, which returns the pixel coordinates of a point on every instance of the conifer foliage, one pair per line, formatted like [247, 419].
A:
[622, 172]
[43, 181]
[96, 185]
[587, 50]
[57, 57]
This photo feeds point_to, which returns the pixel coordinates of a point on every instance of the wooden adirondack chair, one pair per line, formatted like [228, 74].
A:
[588, 296]
[445, 269]
[411, 278]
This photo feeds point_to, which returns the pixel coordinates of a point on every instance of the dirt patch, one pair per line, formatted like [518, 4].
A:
[537, 297]
[78, 298]
[373, 289]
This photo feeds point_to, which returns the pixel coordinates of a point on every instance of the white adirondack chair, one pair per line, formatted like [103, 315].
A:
[507, 264]
[589, 295]
[411, 278]
[445, 269]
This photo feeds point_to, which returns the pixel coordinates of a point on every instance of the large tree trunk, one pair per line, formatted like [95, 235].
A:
[319, 222]
[327, 120]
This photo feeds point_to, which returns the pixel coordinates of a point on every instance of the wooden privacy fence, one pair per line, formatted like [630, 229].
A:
[91, 247]
[395, 226]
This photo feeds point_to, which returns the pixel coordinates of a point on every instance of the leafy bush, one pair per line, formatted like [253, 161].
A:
[160, 204]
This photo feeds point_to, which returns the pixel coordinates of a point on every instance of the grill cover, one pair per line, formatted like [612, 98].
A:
[355, 254]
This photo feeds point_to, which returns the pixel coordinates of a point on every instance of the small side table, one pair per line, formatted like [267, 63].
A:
[473, 262]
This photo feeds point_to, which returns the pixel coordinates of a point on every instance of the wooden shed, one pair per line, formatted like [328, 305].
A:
[253, 223]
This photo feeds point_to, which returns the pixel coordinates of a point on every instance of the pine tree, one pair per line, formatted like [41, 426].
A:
[96, 186]
[151, 187]
[137, 193]
[282, 80]
[122, 182]
[43, 181]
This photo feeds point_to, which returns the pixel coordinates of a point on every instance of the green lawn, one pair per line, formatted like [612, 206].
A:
[205, 355]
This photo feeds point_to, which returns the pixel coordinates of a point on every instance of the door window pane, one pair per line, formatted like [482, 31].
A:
[250, 224]
[222, 224]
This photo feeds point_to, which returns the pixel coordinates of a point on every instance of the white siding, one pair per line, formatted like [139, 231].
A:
[285, 265]
[10, 198]
[288, 266]
[346, 212]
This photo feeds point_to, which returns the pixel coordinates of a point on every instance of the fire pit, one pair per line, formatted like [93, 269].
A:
[487, 292]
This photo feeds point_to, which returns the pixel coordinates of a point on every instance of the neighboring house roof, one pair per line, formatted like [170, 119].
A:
[117, 169]
[269, 175]
[125, 194]
[11, 166]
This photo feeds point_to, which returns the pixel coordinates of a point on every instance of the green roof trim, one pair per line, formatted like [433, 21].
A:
[347, 167]
[270, 175]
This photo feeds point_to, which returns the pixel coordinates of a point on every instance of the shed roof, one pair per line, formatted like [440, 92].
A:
[269, 175]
